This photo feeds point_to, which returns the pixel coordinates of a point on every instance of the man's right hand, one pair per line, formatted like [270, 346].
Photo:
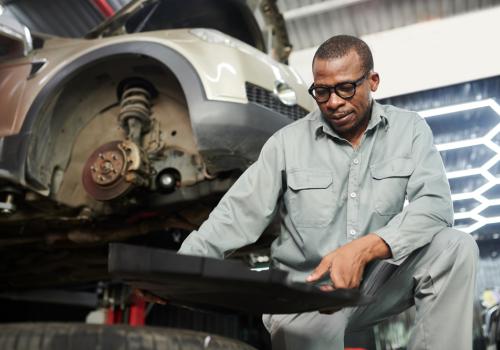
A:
[346, 264]
[148, 296]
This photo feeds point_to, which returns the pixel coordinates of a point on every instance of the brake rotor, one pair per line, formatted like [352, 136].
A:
[104, 173]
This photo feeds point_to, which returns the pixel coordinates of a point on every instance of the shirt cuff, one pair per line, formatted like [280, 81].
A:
[398, 250]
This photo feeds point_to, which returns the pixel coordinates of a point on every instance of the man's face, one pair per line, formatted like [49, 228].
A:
[348, 117]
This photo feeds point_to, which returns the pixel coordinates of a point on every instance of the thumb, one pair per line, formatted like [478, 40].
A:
[319, 271]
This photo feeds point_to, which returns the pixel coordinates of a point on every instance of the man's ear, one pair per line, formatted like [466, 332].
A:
[373, 80]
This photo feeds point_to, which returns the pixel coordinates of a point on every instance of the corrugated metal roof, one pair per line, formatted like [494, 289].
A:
[310, 22]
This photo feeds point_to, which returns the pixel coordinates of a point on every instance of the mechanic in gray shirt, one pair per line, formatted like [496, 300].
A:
[339, 178]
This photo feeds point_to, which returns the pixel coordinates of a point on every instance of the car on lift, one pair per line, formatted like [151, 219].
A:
[137, 129]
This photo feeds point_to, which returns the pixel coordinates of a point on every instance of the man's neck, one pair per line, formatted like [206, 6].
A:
[356, 135]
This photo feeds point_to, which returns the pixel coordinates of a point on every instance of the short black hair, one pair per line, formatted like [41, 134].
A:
[340, 45]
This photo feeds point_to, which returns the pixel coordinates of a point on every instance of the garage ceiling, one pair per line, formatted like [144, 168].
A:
[67, 18]
[309, 22]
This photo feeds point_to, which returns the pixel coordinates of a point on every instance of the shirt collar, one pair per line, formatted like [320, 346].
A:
[377, 117]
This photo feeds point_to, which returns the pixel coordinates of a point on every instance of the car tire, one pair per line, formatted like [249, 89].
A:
[71, 336]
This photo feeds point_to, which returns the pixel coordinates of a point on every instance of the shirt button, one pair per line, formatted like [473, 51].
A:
[353, 194]
[352, 232]
[356, 161]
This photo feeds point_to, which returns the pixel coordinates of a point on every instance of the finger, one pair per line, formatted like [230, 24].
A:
[327, 288]
[356, 279]
[337, 279]
[319, 271]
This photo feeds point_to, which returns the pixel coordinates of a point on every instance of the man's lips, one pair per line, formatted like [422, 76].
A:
[341, 115]
[336, 118]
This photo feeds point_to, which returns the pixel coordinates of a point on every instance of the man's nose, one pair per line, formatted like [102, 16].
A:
[334, 101]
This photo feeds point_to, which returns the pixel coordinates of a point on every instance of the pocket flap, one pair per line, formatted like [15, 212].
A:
[308, 179]
[398, 167]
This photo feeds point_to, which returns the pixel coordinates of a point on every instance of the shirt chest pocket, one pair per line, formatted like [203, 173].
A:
[390, 179]
[310, 199]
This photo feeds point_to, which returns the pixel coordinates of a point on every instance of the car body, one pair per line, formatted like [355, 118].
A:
[117, 136]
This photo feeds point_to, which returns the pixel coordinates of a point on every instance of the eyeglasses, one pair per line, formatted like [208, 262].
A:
[345, 90]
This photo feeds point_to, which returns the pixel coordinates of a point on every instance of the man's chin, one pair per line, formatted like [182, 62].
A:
[342, 128]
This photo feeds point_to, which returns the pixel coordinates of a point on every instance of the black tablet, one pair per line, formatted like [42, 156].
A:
[209, 283]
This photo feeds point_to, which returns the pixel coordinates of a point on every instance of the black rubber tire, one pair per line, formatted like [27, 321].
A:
[72, 336]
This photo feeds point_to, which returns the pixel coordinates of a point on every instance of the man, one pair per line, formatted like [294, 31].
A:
[339, 178]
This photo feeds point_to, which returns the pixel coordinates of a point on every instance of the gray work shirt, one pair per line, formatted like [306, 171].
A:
[329, 193]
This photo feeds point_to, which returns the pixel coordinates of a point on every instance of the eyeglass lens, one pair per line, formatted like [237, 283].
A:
[322, 93]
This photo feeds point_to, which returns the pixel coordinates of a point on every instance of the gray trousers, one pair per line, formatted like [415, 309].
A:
[439, 279]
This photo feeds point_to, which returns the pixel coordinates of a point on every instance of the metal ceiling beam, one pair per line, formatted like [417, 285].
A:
[319, 7]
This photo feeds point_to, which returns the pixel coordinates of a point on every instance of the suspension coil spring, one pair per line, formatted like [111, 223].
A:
[135, 111]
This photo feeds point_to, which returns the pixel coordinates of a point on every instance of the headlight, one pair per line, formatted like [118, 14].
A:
[285, 93]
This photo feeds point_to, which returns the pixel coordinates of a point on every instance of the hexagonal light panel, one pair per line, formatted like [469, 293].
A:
[468, 135]
[466, 183]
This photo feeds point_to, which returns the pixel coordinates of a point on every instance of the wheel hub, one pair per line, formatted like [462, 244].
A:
[112, 170]
[108, 167]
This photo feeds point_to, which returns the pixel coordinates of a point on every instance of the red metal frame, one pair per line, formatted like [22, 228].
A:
[104, 8]
[137, 315]
[136, 312]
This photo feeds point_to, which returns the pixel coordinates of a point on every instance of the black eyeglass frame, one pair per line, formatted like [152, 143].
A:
[334, 88]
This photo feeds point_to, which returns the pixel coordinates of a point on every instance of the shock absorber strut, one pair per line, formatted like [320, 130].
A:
[135, 112]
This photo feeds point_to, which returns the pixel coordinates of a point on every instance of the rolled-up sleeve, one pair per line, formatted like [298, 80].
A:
[430, 207]
[245, 210]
